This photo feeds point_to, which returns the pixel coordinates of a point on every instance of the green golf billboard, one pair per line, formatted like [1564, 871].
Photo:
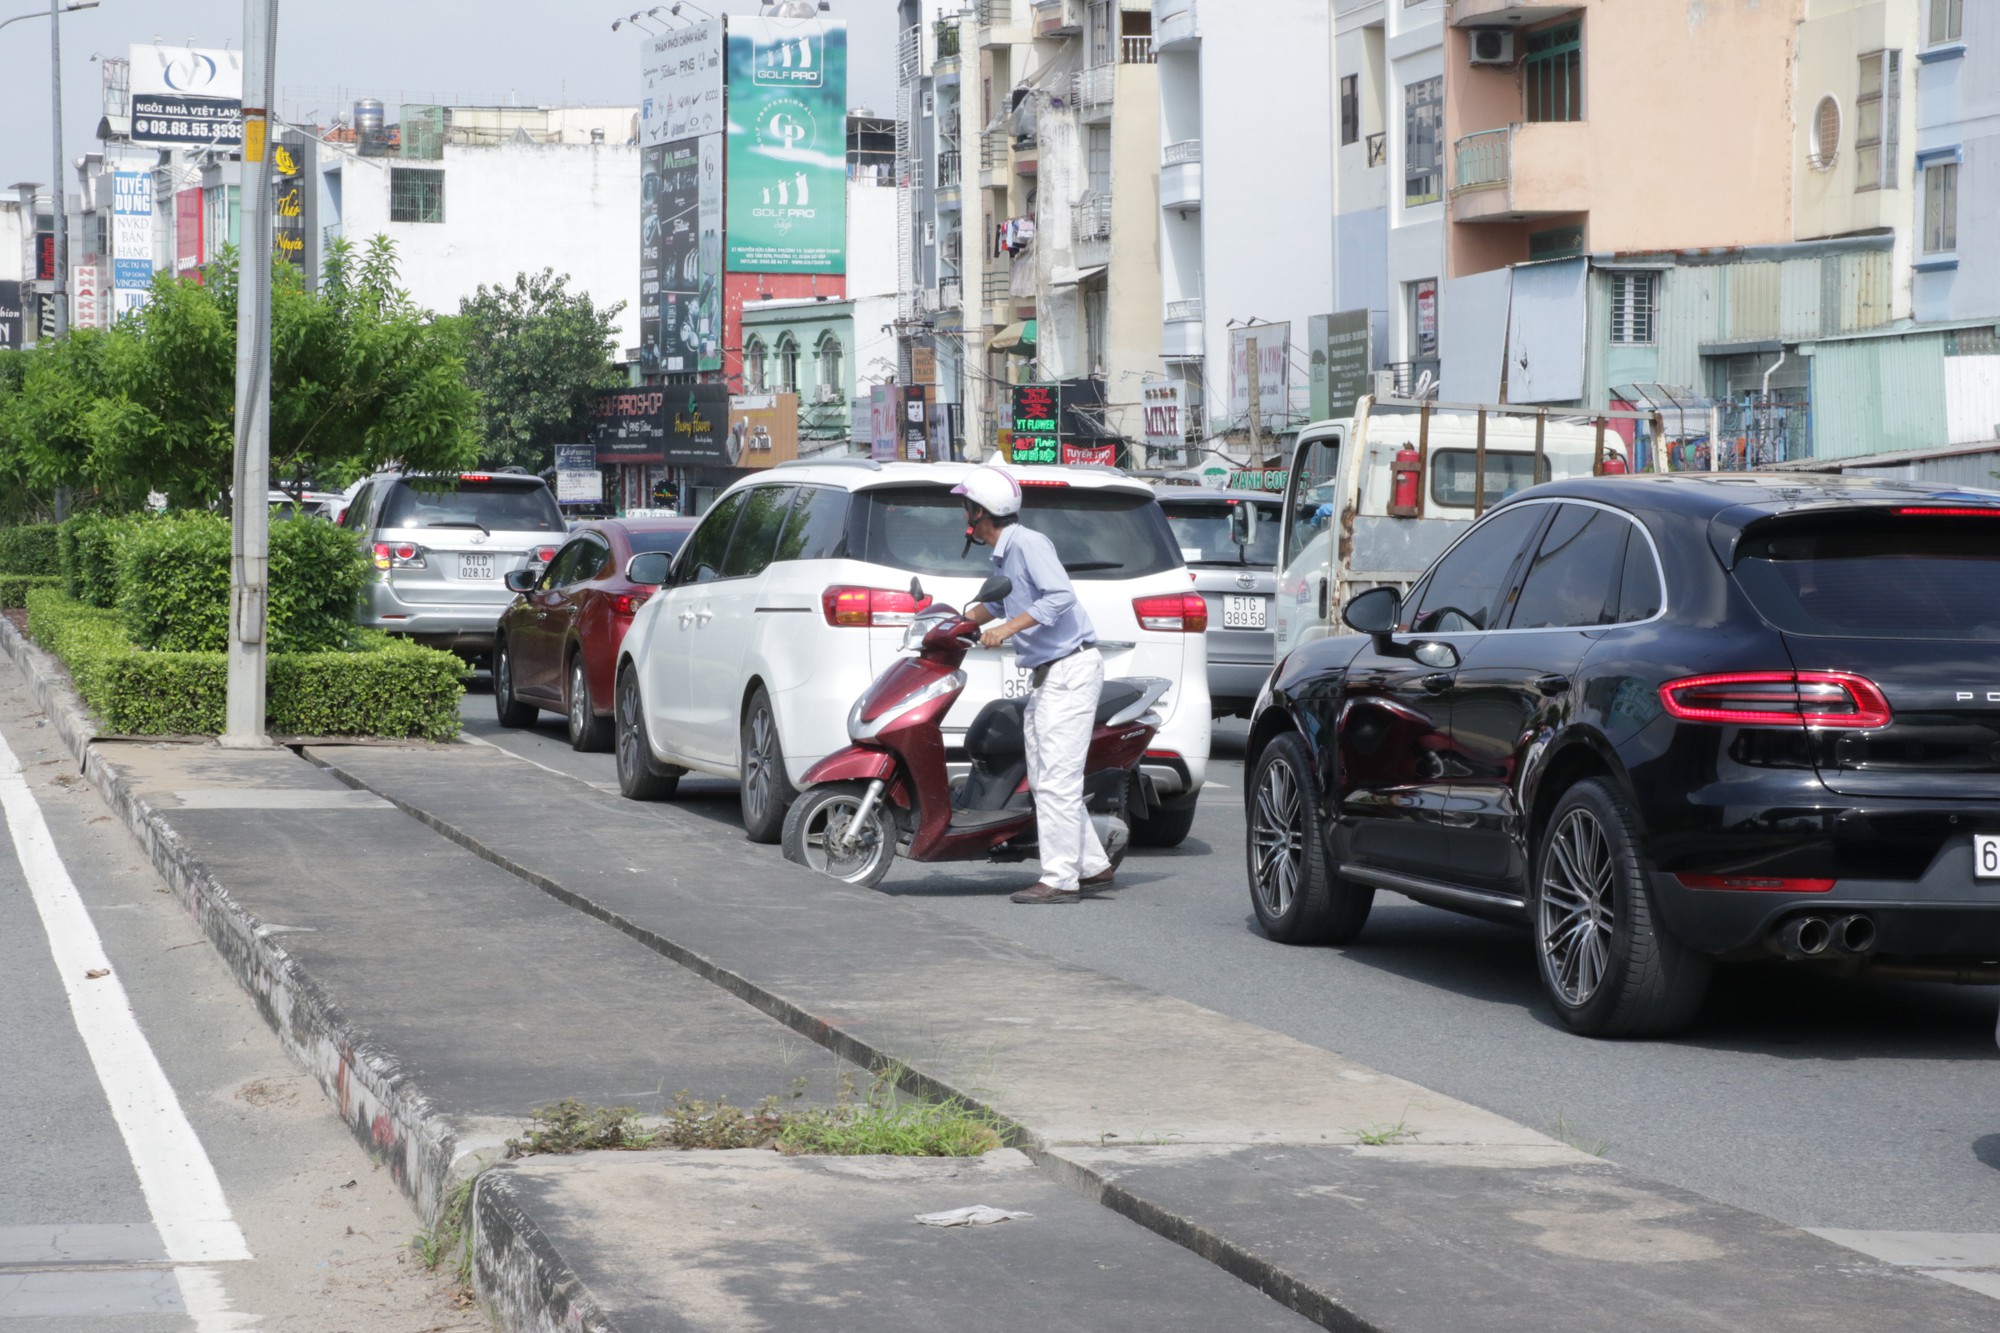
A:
[787, 155]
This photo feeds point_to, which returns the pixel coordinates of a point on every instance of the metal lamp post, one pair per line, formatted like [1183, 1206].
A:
[250, 512]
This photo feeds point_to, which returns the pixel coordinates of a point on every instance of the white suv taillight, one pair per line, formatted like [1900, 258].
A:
[1174, 612]
[859, 608]
[399, 555]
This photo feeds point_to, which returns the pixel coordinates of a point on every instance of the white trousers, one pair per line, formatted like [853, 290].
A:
[1061, 715]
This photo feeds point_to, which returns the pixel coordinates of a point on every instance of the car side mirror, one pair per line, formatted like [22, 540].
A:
[1243, 523]
[995, 589]
[1373, 612]
[520, 580]
[648, 568]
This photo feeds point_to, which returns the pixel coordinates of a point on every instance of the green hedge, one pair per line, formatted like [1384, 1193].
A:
[387, 688]
[87, 551]
[14, 587]
[29, 549]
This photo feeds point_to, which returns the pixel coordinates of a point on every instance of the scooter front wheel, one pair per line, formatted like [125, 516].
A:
[821, 835]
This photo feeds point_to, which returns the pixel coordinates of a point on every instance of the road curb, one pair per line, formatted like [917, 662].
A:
[522, 1279]
[392, 1121]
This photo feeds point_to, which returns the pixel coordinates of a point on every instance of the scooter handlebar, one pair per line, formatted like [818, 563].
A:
[945, 633]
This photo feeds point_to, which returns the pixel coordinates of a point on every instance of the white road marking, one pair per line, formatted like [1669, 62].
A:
[175, 1175]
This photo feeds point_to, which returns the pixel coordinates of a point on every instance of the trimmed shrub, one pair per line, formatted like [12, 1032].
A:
[385, 688]
[173, 585]
[14, 587]
[29, 549]
[87, 550]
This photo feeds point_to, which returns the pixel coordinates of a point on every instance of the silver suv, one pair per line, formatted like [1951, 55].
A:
[1234, 566]
[442, 547]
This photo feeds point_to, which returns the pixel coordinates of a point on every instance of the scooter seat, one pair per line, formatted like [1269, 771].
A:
[998, 736]
[1118, 696]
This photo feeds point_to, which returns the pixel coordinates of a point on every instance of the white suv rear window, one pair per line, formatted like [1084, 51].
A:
[1099, 534]
[497, 506]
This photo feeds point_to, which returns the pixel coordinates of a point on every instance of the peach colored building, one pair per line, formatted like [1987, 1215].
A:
[1614, 126]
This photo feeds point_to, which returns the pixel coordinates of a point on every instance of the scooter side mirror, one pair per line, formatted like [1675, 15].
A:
[917, 595]
[995, 589]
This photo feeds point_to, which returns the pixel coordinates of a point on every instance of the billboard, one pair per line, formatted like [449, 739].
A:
[1162, 413]
[680, 84]
[882, 422]
[680, 256]
[787, 145]
[627, 426]
[288, 208]
[1034, 425]
[131, 240]
[184, 97]
[187, 230]
[1273, 371]
[763, 430]
[697, 424]
[1340, 352]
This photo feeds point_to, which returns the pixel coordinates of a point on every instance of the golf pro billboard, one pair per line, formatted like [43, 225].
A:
[787, 154]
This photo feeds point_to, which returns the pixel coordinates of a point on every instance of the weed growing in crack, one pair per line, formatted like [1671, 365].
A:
[451, 1237]
[1377, 1136]
[1567, 1133]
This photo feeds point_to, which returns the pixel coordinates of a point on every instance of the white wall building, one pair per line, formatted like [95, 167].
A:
[503, 196]
[1245, 192]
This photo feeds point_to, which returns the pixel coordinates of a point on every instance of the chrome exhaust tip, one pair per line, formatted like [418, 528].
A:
[1805, 937]
[1854, 934]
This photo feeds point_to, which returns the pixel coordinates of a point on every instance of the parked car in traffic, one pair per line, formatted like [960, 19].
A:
[442, 546]
[1232, 556]
[556, 646]
[1662, 721]
[794, 593]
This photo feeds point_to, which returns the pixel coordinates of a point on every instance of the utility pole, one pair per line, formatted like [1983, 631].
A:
[250, 509]
[59, 294]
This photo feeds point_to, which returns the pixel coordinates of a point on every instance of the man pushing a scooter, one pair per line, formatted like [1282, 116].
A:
[1057, 644]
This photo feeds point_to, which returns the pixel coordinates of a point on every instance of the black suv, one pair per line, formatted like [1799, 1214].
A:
[1661, 720]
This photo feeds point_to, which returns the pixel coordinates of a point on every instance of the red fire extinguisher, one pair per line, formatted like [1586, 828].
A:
[1407, 490]
[1614, 464]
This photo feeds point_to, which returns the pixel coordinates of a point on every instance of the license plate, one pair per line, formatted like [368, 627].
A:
[475, 566]
[1242, 612]
[1986, 855]
[1015, 683]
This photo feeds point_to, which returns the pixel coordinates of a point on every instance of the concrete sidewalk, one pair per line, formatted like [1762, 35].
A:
[509, 945]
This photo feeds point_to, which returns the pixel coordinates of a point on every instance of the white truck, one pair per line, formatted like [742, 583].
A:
[1373, 498]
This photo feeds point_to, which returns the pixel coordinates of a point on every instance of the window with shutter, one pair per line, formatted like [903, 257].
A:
[1877, 121]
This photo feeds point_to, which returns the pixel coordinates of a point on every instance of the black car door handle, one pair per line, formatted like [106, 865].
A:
[1437, 682]
[1552, 685]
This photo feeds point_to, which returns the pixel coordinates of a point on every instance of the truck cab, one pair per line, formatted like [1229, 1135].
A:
[1373, 499]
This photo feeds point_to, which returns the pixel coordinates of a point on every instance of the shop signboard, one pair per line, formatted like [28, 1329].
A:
[1341, 356]
[87, 290]
[1161, 410]
[13, 316]
[680, 83]
[1259, 479]
[923, 365]
[288, 210]
[763, 430]
[131, 240]
[697, 424]
[187, 230]
[915, 423]
[1272, 363]
[187, 97]
[629, 426]
[680, 259]
[1036, 412]
[1425, 295]
[1104, 454]
[787, 158]
[577, 479]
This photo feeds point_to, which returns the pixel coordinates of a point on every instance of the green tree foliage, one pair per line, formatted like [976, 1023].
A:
[360, 377]
[536, 353]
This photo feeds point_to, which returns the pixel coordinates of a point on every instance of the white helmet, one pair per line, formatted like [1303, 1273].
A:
[993, 489]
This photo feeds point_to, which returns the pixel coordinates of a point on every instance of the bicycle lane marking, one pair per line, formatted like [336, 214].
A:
[178, 1181]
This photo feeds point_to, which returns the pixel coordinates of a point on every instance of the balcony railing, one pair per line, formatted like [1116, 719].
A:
[994, 146]
[1093, 86]
[948, 169]
[1187, 150]
[1093, 217]
[996, 285]
[1481, 161]
[1135, 50]
[996, 13]
[1184, 312]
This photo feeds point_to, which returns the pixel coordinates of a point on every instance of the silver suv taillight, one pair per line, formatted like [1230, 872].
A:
[399, 555]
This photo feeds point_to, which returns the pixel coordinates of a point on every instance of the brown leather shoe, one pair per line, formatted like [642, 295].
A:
[1047, 895]
[1101, 880]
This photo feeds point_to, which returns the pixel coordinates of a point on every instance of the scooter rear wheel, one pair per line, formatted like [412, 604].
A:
[822, 818]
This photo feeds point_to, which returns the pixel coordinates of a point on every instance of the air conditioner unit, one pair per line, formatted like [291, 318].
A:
[1385, 384]
[826, 393]
[1492, 46]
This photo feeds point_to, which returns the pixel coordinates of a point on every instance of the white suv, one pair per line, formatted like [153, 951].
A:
[794, 594]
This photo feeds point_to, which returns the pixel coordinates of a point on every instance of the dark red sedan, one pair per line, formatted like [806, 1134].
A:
[557, 645]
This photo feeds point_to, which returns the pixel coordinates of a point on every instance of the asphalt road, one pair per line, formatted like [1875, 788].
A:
[1824, 1103]
[324, 1234]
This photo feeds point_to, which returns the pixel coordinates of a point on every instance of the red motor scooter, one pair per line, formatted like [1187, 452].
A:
[890, 791]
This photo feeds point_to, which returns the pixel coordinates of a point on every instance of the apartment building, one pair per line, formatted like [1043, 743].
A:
[1235, 315]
